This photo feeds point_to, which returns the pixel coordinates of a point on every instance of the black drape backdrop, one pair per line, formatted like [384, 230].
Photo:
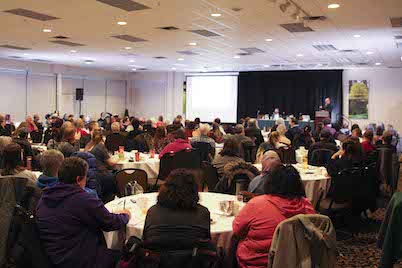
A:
[293, 92]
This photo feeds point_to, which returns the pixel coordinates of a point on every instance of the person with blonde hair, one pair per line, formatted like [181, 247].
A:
[273, 143]
[281, 129]
[79, 125]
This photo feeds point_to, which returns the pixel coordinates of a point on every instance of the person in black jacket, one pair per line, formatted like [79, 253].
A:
[3, 130]
[294, 131]
[177, 220]
[324, 143]
[115, 140]
[254, 132]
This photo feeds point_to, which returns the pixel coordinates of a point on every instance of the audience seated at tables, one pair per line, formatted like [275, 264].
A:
[50, 162]
[31, 124]
[70, 141]
[328, 125]
[70, 221]
[294, 132]
[379, 131]
[21, 138]
[273, 143]
[367, 143]
[324, 143]
[349, 156]
[281, 129]
[160, 139]
[269, 161]
[284, 197]
[218, 121]
[149, 128]
[79, 126]
[279, 121]
[4, 141]
[204, 130]
[240, 137]
[136, 129]
[216, 134]
[98, 149]
[177, 220]
[9, 124]
[13, 163]
[229, 153]
[115, 139]
[253, 132]
[36, 121]
[93, 125]
[189, 129]
[317, 131]
[345, 129]
[387, 141]
[306, 138]
[160, 121]
[180, 143]
[3, 130]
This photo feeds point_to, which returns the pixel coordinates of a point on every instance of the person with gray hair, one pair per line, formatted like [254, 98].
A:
[241, 138]
[50, 162]
[204, 130]
[254, 132]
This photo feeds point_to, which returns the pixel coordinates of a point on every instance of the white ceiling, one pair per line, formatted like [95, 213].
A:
[93, 23]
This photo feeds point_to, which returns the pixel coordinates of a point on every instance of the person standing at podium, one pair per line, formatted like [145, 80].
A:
[276, 115]
[327, 106]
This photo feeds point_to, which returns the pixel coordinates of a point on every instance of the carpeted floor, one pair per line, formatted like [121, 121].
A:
[361, 250]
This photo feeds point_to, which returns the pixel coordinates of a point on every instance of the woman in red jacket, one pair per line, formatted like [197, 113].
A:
[256, 223]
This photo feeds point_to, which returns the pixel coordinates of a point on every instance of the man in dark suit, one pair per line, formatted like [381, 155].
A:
[294, 132]
[328, 106]
[254, 132]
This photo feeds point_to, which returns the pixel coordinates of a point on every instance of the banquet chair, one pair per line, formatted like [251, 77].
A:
[320, 157]
[206, 150]
[125, 176]
[188, 159]
[209, 175]
[37, 136]
[287, 154]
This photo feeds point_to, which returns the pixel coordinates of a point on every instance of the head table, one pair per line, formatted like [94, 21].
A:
[221, 226]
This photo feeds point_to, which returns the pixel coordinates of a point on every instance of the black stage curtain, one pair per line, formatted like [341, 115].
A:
[293, 92]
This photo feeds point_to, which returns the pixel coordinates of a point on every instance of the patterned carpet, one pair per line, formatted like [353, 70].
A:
[361, 250]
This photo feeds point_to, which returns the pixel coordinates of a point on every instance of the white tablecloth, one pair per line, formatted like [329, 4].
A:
[218, 148]
[221, 226]
[149, 165]
[39, 147]
[314, 179]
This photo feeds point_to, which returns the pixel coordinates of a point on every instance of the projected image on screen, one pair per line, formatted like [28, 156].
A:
[209, 97]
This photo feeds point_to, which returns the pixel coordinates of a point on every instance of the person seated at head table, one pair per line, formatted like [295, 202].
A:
[180, 143]
[115, 139]
[284, 197]
[70, 221]
[229, 153]
[269, 161]
[177, 219]
[14, 164]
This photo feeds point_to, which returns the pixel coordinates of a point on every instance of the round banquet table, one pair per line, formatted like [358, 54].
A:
[149, 165]
[221, 226]
[314, 179]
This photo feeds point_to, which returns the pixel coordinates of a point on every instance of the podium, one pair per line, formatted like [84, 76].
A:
[320, 116]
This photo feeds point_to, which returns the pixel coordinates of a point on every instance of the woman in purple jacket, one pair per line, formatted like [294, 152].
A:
[71, 221]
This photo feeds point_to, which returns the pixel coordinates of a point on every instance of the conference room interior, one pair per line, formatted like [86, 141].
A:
[200, 133]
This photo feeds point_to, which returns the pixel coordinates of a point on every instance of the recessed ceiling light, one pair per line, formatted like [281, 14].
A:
[268, 40]
[334, 5]
[88, 62]
[122, 23]
[127, 48]
[370, 52]
[132, 60]
[193, 44]
[378, 63]
[237, 57]
[180, 59]
[131, 65]
[173, 68]
[357, 36]
[26, 54]
[47, 30]
[216, 15]
[266, 66]
[133, 69]
[73, 51]
[299, 55]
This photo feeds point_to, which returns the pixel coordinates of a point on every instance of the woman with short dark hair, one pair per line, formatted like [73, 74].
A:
[160, 139]
[13, 163]
[177, 219]
[256, 223]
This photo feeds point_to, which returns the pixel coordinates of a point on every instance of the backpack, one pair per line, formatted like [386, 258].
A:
[133, 188]
[24, 249]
